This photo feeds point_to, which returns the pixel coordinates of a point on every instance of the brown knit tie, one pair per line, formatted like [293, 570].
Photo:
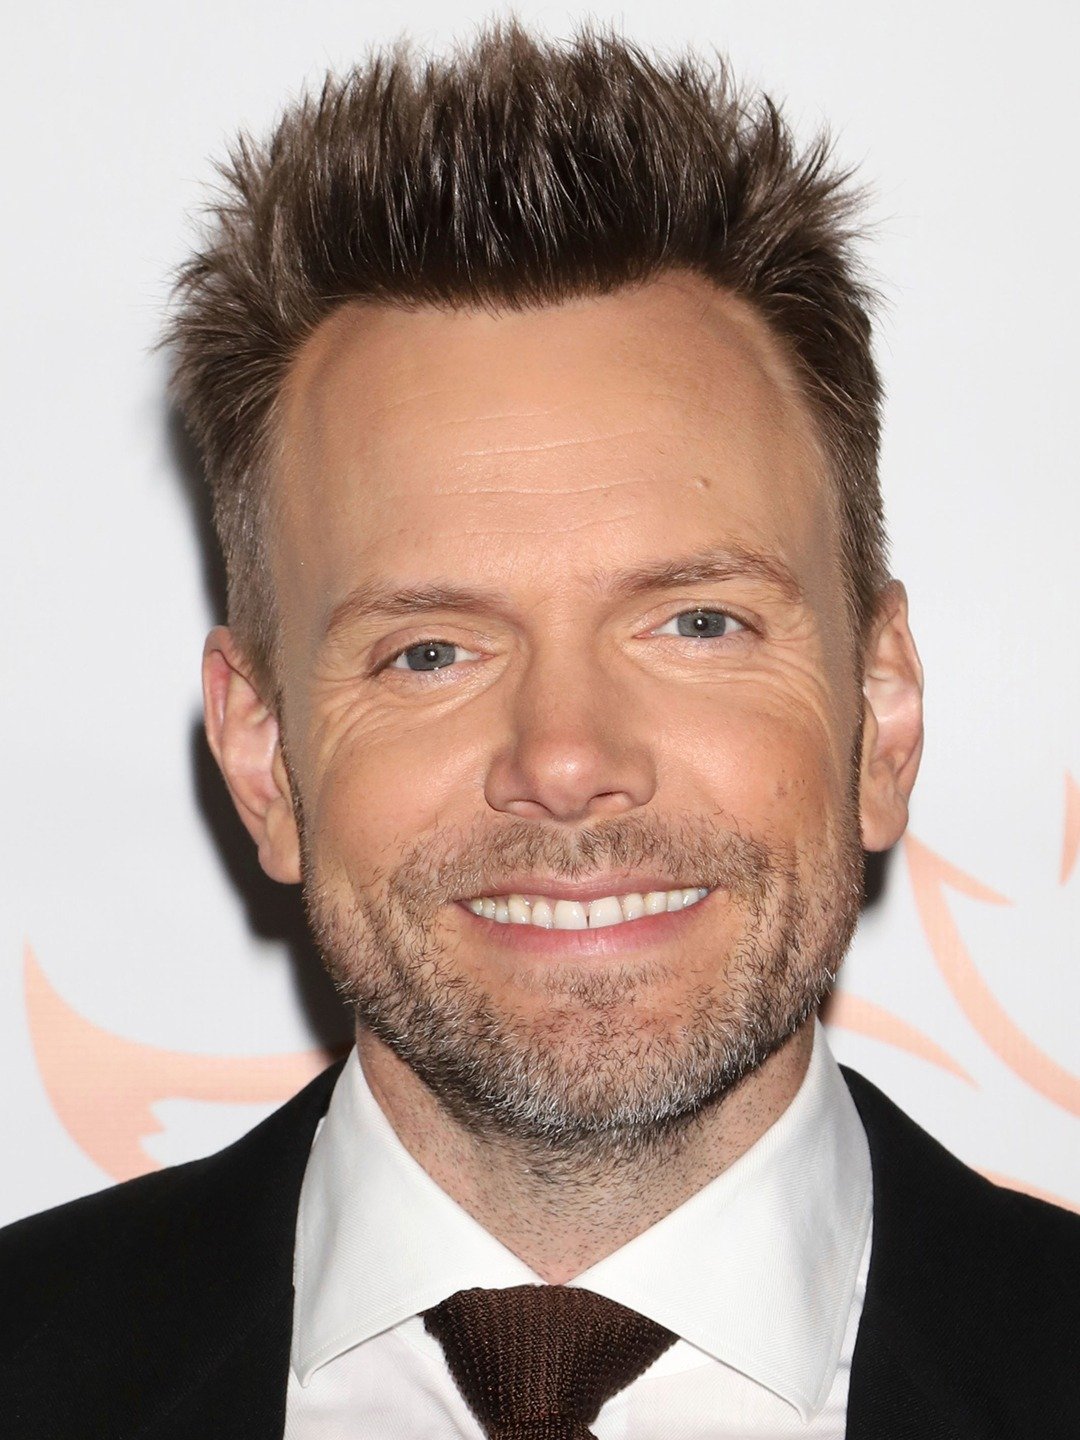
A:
[536, 1362]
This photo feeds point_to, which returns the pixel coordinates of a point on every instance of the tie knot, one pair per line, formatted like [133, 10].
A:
[536, 1362]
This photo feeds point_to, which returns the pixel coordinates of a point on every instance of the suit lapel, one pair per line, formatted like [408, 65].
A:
[242, 1393]
[241, 1377]
[885, 1401]
[904, 1378]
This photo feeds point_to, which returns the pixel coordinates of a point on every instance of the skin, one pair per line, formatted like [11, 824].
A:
[536, 457]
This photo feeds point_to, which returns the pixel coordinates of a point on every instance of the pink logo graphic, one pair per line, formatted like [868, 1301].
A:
[104, 1087]
[930, 877]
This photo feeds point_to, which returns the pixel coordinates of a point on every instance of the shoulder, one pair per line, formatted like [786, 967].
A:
[977, 1286]
[161, 1239]
[45, 1258]
[917, 1178]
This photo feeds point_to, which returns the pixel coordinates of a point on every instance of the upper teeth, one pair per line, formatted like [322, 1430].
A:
[581, 914]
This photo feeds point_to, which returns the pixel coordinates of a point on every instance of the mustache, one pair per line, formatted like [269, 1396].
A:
[452, 864]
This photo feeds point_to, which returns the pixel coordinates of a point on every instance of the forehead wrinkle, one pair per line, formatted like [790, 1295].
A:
[515, 490]
[552, 407]
[541, 446]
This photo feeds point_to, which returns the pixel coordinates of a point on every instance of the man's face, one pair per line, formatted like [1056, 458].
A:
[563, 620]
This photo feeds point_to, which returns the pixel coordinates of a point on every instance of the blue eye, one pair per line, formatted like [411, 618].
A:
[429, 655]
[701, 625]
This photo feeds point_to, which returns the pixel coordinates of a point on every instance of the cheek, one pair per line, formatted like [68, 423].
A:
[775, 769]
[376, 785]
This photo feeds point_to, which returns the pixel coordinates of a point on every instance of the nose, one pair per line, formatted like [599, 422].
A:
[574, 750]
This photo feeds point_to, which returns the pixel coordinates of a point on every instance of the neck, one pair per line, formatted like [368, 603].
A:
[558, 1216]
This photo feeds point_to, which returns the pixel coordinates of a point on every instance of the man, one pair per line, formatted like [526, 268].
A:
[565, 672]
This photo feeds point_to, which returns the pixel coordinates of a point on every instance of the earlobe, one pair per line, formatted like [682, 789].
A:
[244, 737]
[893, 722]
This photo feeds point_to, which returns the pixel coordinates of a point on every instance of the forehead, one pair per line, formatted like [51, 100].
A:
[663, 416]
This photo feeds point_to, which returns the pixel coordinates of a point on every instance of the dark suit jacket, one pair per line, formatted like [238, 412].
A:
[162, 1309]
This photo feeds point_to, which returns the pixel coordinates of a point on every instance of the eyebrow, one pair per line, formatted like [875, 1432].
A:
[373, 599]
[721, 562]
[370, 599]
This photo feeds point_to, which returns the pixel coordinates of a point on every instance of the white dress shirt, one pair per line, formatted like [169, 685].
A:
[761, 1274]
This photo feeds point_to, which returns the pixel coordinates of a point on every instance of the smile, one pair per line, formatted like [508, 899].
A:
[551, 914]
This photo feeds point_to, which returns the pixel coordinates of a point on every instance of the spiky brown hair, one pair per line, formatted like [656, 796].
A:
[516, 172]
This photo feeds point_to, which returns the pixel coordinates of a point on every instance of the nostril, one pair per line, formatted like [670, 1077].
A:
[570, 778]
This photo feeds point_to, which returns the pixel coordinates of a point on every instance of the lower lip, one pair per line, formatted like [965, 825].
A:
[568, 944]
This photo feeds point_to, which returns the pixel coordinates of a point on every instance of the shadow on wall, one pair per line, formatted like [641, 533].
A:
[274, 912]
[875, 876]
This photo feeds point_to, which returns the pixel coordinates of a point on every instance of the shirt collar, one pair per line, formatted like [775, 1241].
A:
[757, 1269]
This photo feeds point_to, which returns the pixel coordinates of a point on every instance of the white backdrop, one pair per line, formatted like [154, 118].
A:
[148, 1010]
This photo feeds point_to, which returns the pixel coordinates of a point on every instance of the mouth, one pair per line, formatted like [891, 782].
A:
[601, 912]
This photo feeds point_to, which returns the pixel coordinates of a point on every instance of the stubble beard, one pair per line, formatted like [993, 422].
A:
[590, 1079]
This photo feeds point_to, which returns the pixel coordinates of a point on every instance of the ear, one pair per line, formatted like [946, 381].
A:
[892, 722]
[245, 740]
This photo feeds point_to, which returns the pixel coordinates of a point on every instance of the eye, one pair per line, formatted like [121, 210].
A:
[701, 625]
[428, 655]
